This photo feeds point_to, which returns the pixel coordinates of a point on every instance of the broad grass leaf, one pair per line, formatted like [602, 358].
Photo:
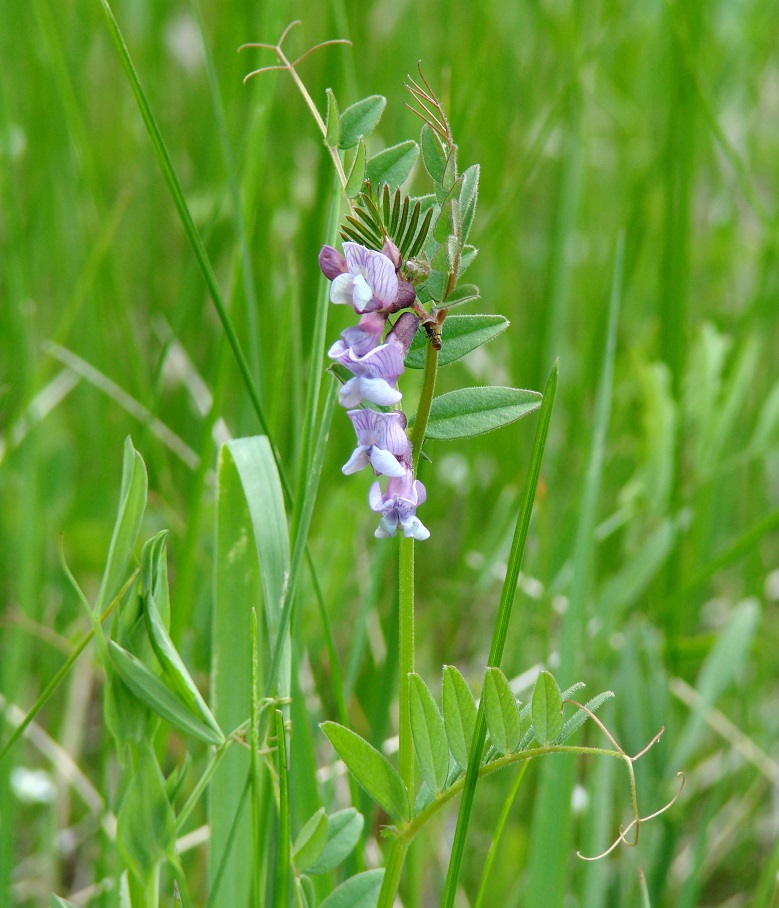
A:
[501, 712]
[333, 122]
[360, 119]
[473, 411]
[371, 769]
[360, 891]
[175, 671]
[356, 178]
[459, 715]
[154, 694]
[393, 165]
[547, 709]
[311, 841]
[580, 716]
[343, 832]
[427, 730]
[132, 504]
[146, 826]
[460, 335]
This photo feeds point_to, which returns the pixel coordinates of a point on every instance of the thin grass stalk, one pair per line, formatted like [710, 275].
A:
[247, 269]
[499, 634]
[172, 181]
[551, 828]
[283, 856]
[498, 835]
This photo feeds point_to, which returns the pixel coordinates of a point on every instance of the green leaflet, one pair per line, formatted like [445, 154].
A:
[360, 891]
[459, 715]
[427, 729]
[356, 176]
[343, 832]
[473, 411]
[360, 119]
[393, 165]
[469, 195]
[153, 693]
[371, 769]
[433, 155]
[547, 709]
[501, 712]
[462, 293]
[460, 335]
[311, 841]
[333, 122]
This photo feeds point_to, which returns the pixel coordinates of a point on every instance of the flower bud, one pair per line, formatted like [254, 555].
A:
[332, 263]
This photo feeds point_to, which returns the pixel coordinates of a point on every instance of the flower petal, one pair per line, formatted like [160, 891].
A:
[351, 393]
[357, 461]
[376, 390]
[384, 462]
[380, 274]
[341, 289]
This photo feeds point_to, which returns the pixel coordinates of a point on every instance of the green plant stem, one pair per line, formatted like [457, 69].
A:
[283, 865]
[202, 782]
[425, 403]
[151, 889]
[406, 634]
[499, 635]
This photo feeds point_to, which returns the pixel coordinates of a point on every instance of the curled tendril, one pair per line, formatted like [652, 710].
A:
[426, 98]
[629, 761]
[284, 63]
[289, 66]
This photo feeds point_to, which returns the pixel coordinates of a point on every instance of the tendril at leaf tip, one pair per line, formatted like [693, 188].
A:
[636, 822]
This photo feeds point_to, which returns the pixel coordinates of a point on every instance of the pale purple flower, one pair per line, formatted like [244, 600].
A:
[363, 337]
[381, 442]
[375, 375]
[398, 507]
[369, 283]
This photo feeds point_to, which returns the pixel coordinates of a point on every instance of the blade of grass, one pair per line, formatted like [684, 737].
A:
[551, 826]
[499, 634]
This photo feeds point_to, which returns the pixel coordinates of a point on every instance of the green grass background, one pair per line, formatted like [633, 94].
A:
[659, 120]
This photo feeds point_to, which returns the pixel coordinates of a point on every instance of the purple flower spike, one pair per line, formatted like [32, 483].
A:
[375, 375]
[381, 440]
[398, 507]
[370, 283]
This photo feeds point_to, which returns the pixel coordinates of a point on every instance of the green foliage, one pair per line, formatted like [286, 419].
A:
[473, 411]
[461, 334]
[459, 715]
[392, 166]
[371, 769]
[311, 841]
[361, 891]
[427, 727]
[547, 710]
[343, 832]
[360, 119]
[502, 712]
[146, 828]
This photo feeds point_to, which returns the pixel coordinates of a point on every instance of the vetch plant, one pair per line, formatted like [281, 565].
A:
[400, 270]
